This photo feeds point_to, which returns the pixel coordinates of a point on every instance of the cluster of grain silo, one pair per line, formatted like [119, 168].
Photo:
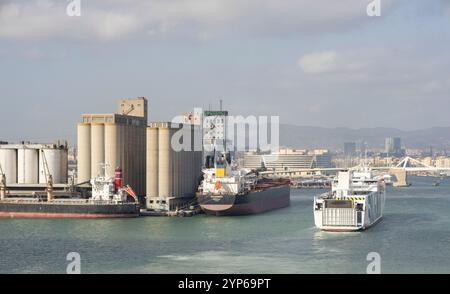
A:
[28, 164]
[149, 163]
[171, 175]
[117, 140]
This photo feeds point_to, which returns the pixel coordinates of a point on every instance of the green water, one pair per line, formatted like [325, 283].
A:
[414, 237]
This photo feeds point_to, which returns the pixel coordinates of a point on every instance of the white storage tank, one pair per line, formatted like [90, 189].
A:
[54, 158]
[27, 166]
[8, 163]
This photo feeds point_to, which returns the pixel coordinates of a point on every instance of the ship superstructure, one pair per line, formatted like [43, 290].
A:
[227, 189]
[356, 202]
[109, 200]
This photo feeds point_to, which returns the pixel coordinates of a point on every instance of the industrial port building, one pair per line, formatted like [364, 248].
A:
[117, 140]
[172, 175]
[289, 159]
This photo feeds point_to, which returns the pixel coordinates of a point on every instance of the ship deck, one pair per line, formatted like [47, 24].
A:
[60, 202]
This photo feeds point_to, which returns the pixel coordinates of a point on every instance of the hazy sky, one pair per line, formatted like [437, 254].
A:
[313, 62]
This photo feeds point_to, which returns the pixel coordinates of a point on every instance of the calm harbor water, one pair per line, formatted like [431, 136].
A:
[414, 237]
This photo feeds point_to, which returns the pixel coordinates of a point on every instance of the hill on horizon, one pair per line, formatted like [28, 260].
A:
[310, 137]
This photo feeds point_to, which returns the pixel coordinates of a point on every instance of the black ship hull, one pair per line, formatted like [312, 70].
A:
[251, 203]
[21, 209]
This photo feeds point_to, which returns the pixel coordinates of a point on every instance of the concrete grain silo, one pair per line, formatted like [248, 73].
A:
[165, 174]
[142, 143]
[97, 148]
[152, 162]
[116, 139]
[171, 175]
[112, 141]
[127, 156]
[8, 163]
[84, 152]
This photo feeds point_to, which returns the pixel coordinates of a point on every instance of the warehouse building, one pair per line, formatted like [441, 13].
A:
[172, 175]
[117, 140]
[289, 159]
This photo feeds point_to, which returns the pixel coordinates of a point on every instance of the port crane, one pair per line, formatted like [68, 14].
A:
[2, 184]
[48, 177]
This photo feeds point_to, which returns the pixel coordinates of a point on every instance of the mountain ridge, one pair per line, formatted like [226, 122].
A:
[334, 138]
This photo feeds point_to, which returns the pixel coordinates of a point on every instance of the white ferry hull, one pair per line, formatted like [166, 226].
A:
[354, 204]
[348, 228]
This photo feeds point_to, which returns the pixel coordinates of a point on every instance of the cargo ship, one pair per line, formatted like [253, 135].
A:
[355, 203]
[108, 200]
[227, 190]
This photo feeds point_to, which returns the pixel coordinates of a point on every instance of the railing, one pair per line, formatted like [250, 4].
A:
[339, 217]
[63, 201]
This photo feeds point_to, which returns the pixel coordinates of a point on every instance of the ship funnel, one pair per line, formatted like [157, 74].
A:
[118, 177]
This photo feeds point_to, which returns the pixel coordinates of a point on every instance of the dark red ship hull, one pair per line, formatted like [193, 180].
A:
[254, 202]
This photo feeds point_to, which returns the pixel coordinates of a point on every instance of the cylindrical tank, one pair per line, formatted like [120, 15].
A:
[97, 149]
[53, 158]
[143, 163]
[127, 157]
[121, 161]
[84, 153]
[141, 160]
[165, 179]
[176, 160]
[111, 148]
[8, 163]
[27, 166]
[132, 156]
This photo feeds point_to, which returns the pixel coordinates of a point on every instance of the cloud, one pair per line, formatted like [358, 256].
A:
[112, 19]
[320, 62]
[331, 61]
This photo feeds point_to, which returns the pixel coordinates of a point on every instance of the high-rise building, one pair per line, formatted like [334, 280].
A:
[362, 148]
[114, 140]
[214, 131]
[393, 147]
[350, 149]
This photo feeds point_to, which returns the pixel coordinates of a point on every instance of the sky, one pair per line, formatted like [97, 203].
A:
[311, 62]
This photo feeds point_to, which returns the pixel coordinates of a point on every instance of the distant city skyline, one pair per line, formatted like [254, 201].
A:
[313, 63]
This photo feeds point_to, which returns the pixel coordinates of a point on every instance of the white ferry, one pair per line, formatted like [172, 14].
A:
[355, 203]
